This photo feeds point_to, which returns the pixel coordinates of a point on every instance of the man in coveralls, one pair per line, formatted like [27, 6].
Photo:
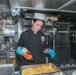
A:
[34, 40]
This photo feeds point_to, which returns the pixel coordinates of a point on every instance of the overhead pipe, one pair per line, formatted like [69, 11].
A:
[43, 10]
[32, 8]
[67, 11]
[66, 4]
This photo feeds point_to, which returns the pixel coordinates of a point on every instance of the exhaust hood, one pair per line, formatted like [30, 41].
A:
[48, 5]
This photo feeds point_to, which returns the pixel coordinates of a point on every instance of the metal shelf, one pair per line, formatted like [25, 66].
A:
[3, 57]
[11, 57]
[5, 54]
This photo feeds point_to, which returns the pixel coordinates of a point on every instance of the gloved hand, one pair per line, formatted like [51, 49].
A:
[51, 53]
[25, 53]
[19, 72]
[19, 51]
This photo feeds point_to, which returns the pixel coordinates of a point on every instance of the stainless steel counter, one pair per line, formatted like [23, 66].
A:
[7, 69]
[68, 69]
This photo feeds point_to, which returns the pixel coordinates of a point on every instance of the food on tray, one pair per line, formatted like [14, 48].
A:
[39, 70]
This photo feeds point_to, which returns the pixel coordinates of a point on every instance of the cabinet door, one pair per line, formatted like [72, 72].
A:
[62, 55]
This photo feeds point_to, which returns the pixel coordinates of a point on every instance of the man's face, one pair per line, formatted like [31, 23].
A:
[36, 26]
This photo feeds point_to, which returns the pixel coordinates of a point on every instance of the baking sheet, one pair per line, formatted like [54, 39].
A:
[56, 72]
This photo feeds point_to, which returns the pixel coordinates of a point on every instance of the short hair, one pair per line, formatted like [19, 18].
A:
[37, 19]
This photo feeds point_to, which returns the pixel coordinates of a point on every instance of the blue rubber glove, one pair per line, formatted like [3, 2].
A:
[19, 51]
[51, 53]
[19, 72]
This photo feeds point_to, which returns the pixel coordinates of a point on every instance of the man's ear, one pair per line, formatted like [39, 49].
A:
[32, 21]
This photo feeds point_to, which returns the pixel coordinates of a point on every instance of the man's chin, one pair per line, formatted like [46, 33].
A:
[36, 30]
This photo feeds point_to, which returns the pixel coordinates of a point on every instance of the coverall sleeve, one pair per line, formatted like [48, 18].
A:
[21, 42]
[18, 56]
[45, 45]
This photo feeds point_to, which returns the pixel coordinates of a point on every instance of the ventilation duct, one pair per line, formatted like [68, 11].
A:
[40, 4]
[4, 6]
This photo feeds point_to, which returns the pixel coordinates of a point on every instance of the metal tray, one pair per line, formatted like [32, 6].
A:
[56, 72]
